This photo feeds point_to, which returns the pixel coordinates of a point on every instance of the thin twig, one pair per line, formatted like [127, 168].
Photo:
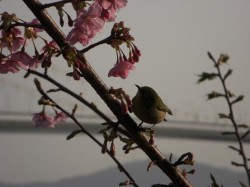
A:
[105, 40]
[16, 24]
[48, 5]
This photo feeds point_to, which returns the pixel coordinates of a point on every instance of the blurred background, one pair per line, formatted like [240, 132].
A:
[174, 37]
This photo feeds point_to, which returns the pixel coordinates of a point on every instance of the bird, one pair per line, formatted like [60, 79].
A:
[148, 106]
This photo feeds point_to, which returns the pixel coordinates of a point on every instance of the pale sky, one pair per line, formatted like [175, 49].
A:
[174, 37]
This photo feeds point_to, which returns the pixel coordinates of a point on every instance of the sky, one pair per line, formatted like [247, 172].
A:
[174, 37]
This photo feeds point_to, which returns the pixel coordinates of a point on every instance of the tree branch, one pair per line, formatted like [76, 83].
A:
[77, 97]
[88, 134]
[102, 90]
[231, 116]
[105, 40]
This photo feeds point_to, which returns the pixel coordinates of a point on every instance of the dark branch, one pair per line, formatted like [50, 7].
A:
[39, 88]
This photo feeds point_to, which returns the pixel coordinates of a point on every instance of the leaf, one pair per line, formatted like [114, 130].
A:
[214, 94]
[206, 76]
[211, 57]
[53, 90]
[243, 126]
[238, 99]
[221, 115]
[242, 184]
[245, 134]
[73, 134]
[234, 148]
[229, 72]
[228, 133]
[237, 164]
[214, 183]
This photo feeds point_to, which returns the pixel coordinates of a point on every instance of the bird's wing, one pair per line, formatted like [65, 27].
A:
[163, 107]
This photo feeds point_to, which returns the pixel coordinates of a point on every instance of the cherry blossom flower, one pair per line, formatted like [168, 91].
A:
[87, 24]
[110, 7]
[43, 120]
[7, 65]
[32, 32]
[17, 60]
[60, 117]
[50, 49]
[121, 69]
[25, 61]
[36, 22]
[11, 40]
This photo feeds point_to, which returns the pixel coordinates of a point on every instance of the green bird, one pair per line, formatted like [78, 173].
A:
[148, 106]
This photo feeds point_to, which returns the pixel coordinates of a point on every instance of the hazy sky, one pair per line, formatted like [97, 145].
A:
[174, 37]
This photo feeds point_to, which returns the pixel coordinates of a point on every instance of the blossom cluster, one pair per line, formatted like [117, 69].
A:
[42, 119]
[120, 34]
[90, 21]
[14, 41]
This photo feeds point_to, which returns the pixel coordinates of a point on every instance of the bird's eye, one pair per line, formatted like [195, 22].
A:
[145, 95]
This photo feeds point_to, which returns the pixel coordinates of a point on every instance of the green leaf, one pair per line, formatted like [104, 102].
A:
[229, 72]
[214, 183]
[73, 134]
[211, 57]
[206, 76]
[214, 94]
[221, 115]
[243, 126]
[238, 99]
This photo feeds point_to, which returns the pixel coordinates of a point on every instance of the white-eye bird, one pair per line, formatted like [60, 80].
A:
[148, 106]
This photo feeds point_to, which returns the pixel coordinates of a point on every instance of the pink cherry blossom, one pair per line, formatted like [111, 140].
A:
[49, 50]
[116, 4]
[7, 65]
[50, 47]
[24, 61]
[76, 35]
[17, 60]
[11, 40]
[36, 22]
[87, 24]
[32, 32]
[121, 69]
[60, 117]
[110, 7]
[43, 120]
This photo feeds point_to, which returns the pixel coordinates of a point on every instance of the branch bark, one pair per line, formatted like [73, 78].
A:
[102, 90]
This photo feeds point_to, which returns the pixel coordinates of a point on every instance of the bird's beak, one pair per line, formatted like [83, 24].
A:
[137, 86]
